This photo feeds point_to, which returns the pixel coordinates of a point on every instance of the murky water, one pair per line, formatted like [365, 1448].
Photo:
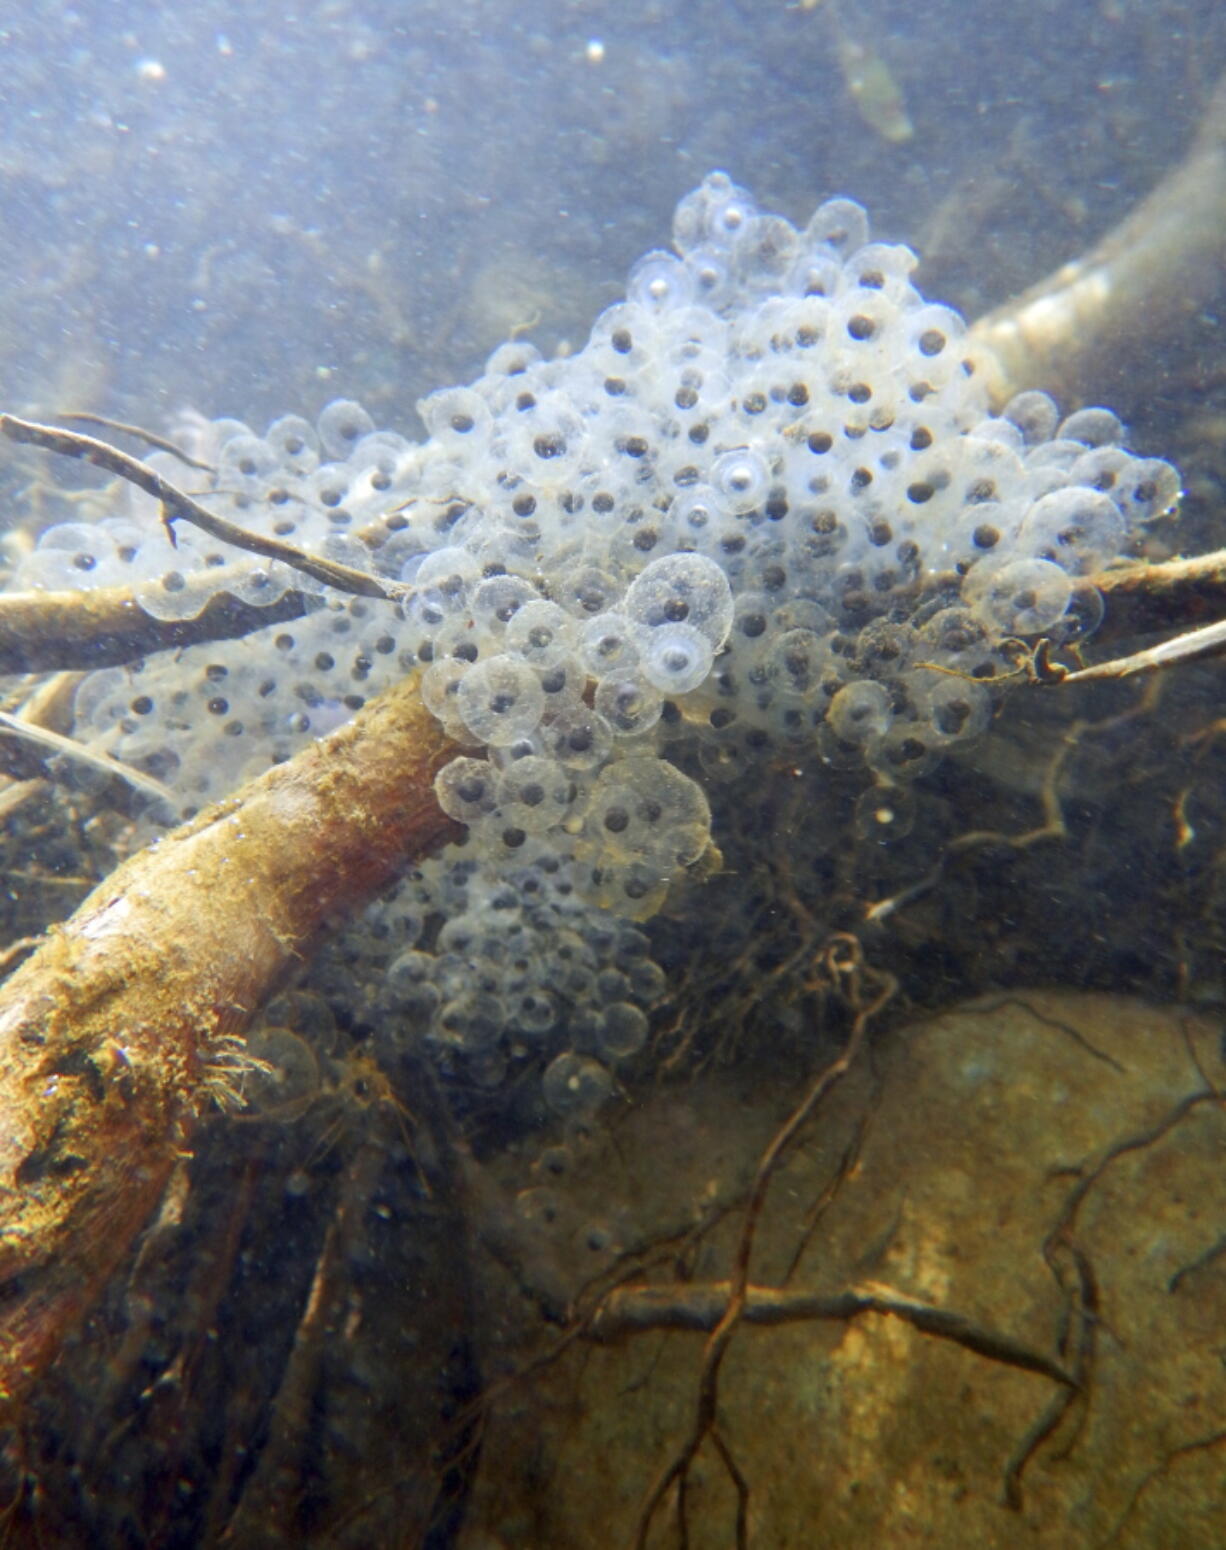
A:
[458, 1169]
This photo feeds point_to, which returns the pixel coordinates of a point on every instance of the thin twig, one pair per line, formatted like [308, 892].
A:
[701, 1305]
[1208, 641]
[843, 963]
[179, 506]
[77, 753]
[150, 438]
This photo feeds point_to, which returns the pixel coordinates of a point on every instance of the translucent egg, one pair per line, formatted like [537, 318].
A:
[449, 573]
[130, 545]
[1093, 427]
[1035, 415]
[456, 417]
[262, 584]
[576, 1085]
[1149, 488]
[903, 753]
[885, 267]
[697, 517]
[660, 801]
[472, 1022]
[741, 479]
[840, 225]
[816, 272]
[1085, 612]
[933, 334]
[533, 1012]
[660, 282]
[70, 556]
[1077, 528]
[860, 711]
[950, 708]
[328, 486]
[607, 644]
[623, 1031]
[884, 813]
[342, 424]
[174, 594]
[536, 793]
[247, 463]
[795, 662]
[675, 658]
[712, 213]
[466, 789]
[512, 359]
[497, 600]
[295, 443]
[586, 590]
[764, 251]
[687, 589]
[563, 683]
[629, 703]
[578, 737]
[542, 633]
[648, 981]
[440, 689]
[499, 699]
[711, 273]
[1020, 597]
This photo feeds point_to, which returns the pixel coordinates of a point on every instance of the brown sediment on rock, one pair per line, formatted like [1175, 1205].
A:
[108, 1032]
[1149, 276]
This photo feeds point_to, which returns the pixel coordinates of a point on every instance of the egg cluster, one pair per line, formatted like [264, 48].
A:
[766, 508]
[521, 968]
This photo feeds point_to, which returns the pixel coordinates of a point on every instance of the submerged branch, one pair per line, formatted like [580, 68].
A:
[34, 748]
[699, 1307]
[150, 438]
[181, 507]
[110, 1032]
[1155, 271]
[1145, 597]
[107, 627]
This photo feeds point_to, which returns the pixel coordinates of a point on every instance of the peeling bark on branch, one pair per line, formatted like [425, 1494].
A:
[107, 1032]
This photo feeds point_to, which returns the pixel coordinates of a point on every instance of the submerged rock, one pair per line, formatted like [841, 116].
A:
[1048, 1166]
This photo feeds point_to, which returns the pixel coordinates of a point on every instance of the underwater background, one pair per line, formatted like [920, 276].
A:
[383, 1306]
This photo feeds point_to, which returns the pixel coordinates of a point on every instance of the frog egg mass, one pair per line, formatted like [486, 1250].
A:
[766, 510]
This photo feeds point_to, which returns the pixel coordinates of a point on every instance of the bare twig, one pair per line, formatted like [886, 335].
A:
[179, 506]
[85, 417]
[1209, 641]
[843, 965]
[56, 745]
[1142, 597]
[700, 1306]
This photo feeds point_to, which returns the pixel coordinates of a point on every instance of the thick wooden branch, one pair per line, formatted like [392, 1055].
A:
[1151, 274]
[110, 1032]
[1174, 595]
[107, 627]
